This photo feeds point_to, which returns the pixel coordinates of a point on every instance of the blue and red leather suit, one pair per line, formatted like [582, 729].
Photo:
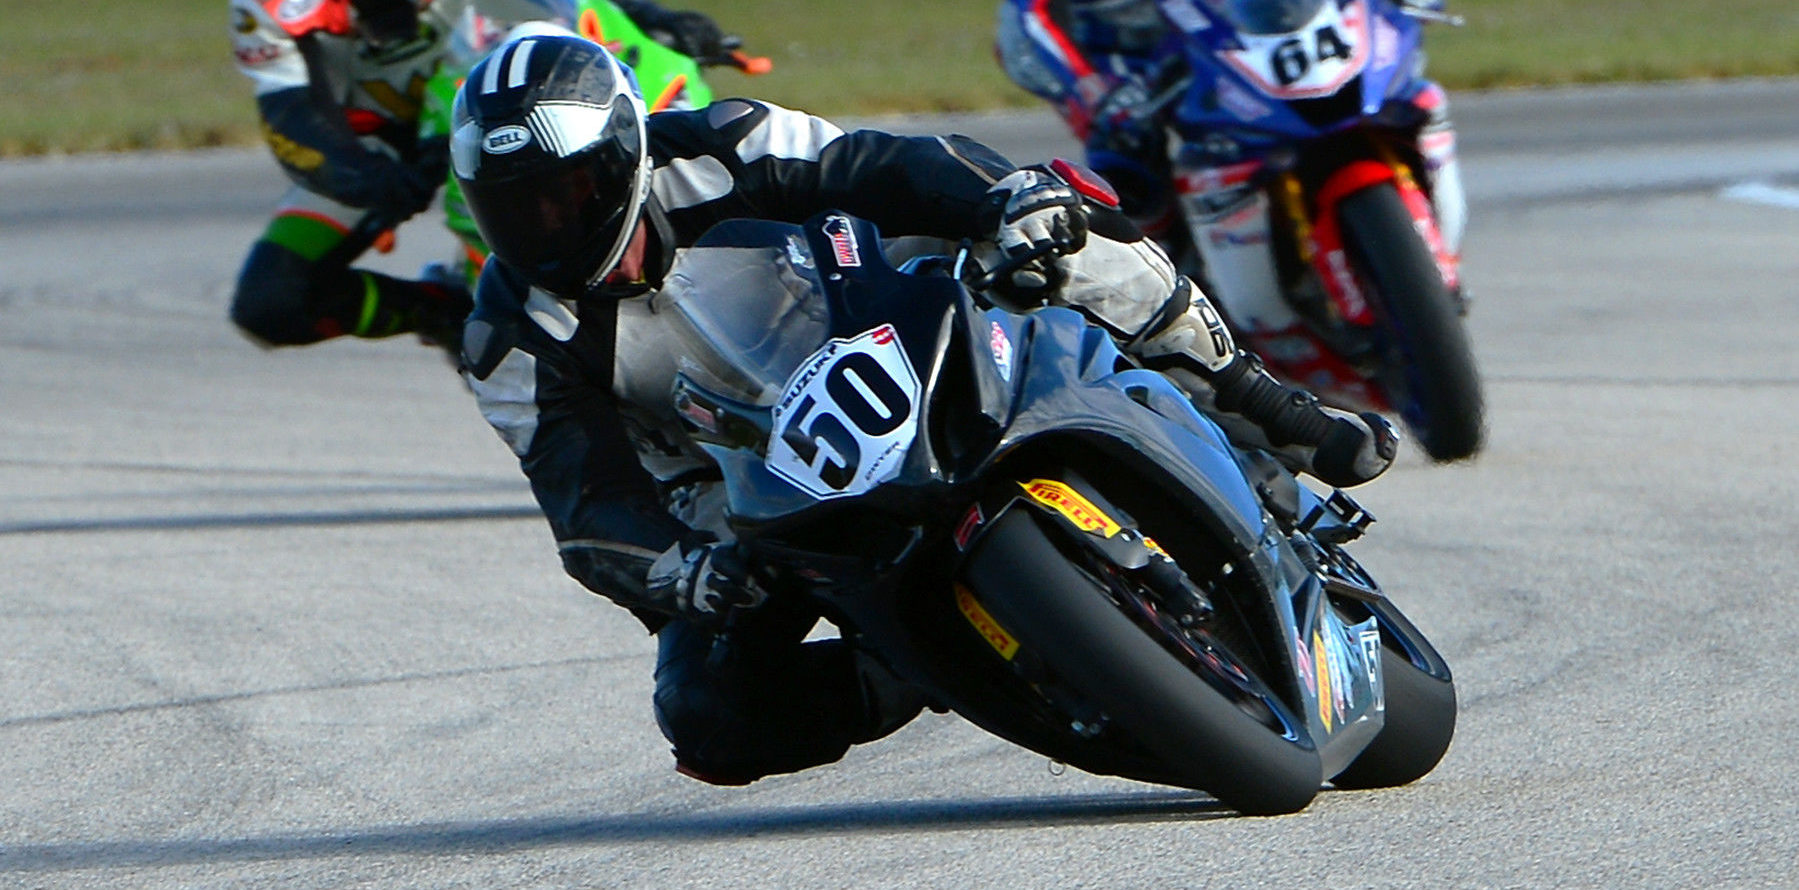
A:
[1083, 57]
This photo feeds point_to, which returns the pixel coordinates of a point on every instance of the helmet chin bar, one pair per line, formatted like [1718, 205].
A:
[640, 193]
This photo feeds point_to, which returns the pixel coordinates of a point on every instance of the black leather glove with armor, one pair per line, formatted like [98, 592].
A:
[706, 585]
[689, 33]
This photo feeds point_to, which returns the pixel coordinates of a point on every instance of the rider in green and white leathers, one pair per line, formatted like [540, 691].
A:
[340, 85]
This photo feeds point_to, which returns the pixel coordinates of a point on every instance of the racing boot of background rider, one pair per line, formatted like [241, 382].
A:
[1099, 63]
[1124, 281]
[338, 86]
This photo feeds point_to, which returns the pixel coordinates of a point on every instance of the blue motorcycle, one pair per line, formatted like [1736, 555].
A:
[1045, 538]
[1315, 170]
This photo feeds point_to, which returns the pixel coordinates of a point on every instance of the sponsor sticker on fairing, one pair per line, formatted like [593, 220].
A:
[846, 417]
[843, 241]
[1001, 347]
[1370, 640]
[971, 522]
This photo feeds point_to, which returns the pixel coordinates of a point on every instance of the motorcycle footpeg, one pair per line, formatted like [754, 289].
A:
[1350, 520]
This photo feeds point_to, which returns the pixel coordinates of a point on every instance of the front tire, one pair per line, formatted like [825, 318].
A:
[1420, 721]
[1433, 379]
[1067, 619]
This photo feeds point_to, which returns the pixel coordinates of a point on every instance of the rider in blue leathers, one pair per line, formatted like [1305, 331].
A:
[1097, 62]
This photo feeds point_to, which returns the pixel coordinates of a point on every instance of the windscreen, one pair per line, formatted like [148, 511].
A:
[1268, 16]
[752, 311]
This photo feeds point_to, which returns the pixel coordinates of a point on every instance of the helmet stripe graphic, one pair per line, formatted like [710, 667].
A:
[521, 65]
[490, 78]
[565, 128]
[515, 58]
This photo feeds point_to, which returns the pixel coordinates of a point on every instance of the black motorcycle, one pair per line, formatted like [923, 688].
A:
[1046, 538]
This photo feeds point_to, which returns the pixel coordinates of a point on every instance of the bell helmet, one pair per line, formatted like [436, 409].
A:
[549, 146]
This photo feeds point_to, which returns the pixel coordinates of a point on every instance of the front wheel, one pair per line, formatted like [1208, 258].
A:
[1430, 375]
[1420, 720]
[1068, 622]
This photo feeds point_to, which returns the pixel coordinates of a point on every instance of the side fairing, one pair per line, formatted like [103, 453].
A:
[1072, 381]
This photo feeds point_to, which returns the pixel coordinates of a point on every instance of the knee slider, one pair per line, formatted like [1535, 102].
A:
[733, 715]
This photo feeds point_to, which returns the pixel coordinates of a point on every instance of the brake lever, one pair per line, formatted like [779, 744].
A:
[1006, 267]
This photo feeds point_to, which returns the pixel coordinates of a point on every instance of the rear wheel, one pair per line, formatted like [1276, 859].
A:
[1420, 720]
[1068, 622]
[1431, 374]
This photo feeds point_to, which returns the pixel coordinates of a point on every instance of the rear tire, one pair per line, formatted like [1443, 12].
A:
[1067, 619]
[1420, 722]
[1436, 386]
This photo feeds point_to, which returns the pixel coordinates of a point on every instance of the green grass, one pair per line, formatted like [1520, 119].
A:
[1543, 42]
[131, 74]
[119, 74]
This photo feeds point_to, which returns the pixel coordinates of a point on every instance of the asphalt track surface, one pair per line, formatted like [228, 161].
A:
[287, 619]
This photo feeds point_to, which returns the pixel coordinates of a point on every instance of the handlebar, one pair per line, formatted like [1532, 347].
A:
[985, 278]
[1430, 12]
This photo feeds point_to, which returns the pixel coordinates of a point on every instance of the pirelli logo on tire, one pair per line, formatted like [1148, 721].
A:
[998, 637]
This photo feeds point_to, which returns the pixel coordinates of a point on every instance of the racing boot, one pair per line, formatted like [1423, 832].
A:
[1126, 283]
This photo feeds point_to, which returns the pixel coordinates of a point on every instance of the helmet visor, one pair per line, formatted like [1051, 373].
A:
[565, 226]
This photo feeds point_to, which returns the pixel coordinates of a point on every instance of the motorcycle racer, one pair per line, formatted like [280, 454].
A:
[585, 200]
[338, 85]
[1097, 62]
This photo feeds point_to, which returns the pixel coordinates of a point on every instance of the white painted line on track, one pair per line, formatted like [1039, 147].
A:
[1762, 193]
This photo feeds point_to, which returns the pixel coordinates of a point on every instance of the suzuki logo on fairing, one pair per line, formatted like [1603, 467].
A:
[506, 139]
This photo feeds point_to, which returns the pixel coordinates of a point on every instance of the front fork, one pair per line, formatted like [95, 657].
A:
[1273, 258]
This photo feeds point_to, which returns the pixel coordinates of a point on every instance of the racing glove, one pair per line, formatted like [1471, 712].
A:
[704, 583]
[687, 32]
[390, 189]
[1032, 209]
[1121, 121]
